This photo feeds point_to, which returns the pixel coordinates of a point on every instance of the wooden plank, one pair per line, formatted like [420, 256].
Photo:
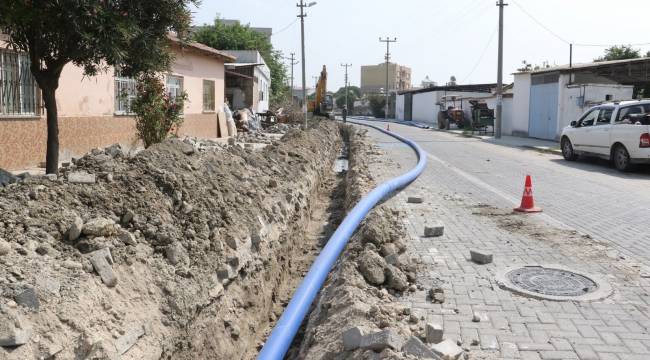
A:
[222, 125]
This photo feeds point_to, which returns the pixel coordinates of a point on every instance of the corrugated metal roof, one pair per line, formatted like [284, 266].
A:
[585, 66]
[460, 88]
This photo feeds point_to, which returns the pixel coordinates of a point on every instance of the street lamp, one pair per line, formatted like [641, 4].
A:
[302, 16]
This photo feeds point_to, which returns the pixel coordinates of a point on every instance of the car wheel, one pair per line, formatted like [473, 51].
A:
[567, 150]
[621, 158]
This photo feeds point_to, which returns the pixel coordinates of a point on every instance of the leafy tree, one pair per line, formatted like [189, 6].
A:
[621, 52]
[92, 34]
[354, 94]
[156, 112]
[377, 105]
[242, 37]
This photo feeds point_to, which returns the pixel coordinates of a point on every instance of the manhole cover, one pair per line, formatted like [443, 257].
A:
[553, 282]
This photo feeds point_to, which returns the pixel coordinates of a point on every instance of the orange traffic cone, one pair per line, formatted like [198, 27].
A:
[527, 201]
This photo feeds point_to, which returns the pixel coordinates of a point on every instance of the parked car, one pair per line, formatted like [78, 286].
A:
[619, 132]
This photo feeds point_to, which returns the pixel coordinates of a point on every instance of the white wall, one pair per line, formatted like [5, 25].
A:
[569, 110]
[520, 105]
[425, 109]
[399, 107]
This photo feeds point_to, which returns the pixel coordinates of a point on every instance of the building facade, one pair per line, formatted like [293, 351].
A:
[373, 78]
[548, 99]
[94, 112]
[248, 81]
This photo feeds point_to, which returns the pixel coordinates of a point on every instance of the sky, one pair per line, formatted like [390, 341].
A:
[439, 38]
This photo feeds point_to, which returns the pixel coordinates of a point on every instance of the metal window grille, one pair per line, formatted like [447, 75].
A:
[18, 88]
[125, 92]
[208, 95]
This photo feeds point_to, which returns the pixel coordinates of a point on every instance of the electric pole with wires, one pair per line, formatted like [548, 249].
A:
[499, 109]
[387, 41]
[345, 107]
[292, 63]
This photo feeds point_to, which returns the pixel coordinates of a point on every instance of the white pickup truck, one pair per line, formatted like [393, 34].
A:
[619, 132]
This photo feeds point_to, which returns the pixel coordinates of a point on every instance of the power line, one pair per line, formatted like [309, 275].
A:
[286, 27]
[480, 59]
[540, 23]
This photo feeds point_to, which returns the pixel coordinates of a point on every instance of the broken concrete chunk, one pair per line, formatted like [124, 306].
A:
[14, 331]
[127, 217]
[480, 257]
[418, 349]
[415, 200]
[81, 177]
[75, 229]
[396, 278]
[28, 298]
[100, 227]
[372, 266]
[435, 230]
[385, 339]
[126, 341]
[433, 333]
[127, 238]
[448, 350]
[102, 350]
[176, 253]
[352, 338]
[102, 261]
[4, 247]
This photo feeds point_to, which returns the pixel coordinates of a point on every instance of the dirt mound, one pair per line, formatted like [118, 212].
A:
[364, 289]
[176, 252]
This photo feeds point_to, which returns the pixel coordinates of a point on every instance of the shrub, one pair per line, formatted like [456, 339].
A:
[157, 114]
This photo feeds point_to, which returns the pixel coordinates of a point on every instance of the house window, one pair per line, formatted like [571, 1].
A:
[208, 95]
[174, 86]
[125, 92]
[18, 89]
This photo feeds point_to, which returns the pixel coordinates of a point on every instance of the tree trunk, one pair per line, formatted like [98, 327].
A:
[52, 155]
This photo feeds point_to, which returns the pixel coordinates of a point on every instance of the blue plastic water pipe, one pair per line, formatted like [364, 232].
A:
[285, 330]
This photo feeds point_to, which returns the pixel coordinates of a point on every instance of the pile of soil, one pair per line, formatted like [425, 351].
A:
[368, 281]
[177, 252]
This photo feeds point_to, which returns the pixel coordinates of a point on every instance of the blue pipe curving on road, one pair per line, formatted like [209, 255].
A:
[285, 330]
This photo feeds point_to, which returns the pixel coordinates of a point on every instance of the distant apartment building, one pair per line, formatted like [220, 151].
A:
[373, 78]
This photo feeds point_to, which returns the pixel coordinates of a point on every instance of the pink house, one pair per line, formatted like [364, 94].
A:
[92, 111]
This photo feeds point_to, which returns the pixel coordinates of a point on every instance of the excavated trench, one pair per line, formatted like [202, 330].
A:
[236, 326]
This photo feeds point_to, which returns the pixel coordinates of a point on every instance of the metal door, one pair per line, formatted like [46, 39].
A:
[544, 93]
[408, 107]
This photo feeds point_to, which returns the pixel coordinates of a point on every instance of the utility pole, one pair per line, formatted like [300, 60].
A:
[387, 41]
[499, 109]
[302, 17]
[345, 108]
[293, 62]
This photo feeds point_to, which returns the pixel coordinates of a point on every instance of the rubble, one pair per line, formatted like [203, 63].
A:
[448, 350]
[372, 267]
[435, 230]
[433, 333]
[79, 177]
[481, 257]
[417, 348]
[102, 261]
[379, 341]
[14, 330]
[28, 298]
[7, 178]
[414, 200]
[352, 338]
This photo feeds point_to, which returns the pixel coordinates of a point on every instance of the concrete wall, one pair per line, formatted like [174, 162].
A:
[521, 105]
[86, 108]
[399, 107]
[569, 107]
[425, 109]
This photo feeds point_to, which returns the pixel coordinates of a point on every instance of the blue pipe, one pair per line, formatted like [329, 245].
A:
[285, 330]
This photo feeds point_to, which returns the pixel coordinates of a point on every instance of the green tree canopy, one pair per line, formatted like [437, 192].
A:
[92, 34]
[241, 37]
[354, 94]
[620, 52]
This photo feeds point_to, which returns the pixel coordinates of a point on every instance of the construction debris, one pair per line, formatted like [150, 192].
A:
[481, 257]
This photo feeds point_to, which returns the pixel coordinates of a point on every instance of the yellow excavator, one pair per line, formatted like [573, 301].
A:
[323, 103]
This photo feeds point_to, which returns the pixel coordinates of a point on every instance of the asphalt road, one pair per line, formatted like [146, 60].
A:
[588, 195]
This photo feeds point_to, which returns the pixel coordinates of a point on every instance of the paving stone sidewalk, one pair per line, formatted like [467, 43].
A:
[511, 326]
